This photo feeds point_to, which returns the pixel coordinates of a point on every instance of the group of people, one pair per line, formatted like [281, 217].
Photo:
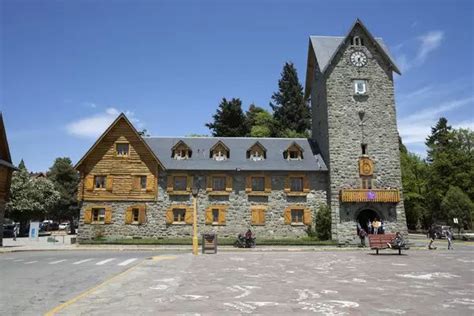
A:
[373, 227]
[432, 233]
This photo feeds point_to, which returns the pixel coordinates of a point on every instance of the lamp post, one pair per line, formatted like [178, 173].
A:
[195, 192]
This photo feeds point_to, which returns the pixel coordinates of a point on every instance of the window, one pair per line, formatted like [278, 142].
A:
[179, 215]
[218, 183]
[143, 182]
[360, 87]
[122, 149]
[258, 183]
[366, 182]
[98, 215]
[297, 216]
[216, 214]
[357, 41]
[99, 182]
[180, 183]
[257, 152]
[181, 151]
[296, 184]
[364, 149]
[293, 152]
[219, 152]
[135, 215]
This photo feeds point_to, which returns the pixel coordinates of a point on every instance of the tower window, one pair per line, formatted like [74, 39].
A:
[360, 86]
[364, 149]
[357, 41]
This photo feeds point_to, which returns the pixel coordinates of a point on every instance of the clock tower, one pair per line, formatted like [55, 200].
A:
[349, 82]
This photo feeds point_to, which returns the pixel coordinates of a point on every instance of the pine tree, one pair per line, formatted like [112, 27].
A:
[65, 180]
[229, 120]
[290, 110]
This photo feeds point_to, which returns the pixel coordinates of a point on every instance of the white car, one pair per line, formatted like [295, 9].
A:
[64, 226]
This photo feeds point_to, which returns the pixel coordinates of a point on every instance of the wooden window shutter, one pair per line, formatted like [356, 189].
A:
[142, 214]
[222, 212]
[261, 217]
[287, 185]
[306, 187]
[169, 216]
[248, 184]
[88, 215]
[150, 183]
[228, 183]
[128, 215]
[287, 215]
[108, 215]
[307, 216]
[89, 182]
[255, 216]
[209, 215]
[136, 183]
[188, 217]
[109, 183]
[169, 184]
[189, 183]
[268, 184]
[209, 183]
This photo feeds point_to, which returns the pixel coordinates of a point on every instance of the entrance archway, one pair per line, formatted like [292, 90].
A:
[366, 216]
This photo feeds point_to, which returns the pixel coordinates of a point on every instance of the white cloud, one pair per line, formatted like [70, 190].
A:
[429, 42]
[416, 127]
[90, 104]
[93, 126]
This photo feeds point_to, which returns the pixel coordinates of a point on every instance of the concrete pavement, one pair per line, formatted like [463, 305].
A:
[283, 283]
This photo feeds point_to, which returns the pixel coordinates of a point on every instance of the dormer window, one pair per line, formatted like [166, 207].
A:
[219, 152]
[357, 41]
[181, 151]
[257, 152]
[360, 87]
[294, 152]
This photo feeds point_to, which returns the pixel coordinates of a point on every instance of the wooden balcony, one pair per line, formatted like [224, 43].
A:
[370, 195]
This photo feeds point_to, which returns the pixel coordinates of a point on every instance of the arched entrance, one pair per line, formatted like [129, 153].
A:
[365, 216]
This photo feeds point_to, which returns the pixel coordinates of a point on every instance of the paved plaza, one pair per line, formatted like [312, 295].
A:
[345, 282]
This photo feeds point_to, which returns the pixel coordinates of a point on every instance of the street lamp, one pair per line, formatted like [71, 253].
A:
[195, 192]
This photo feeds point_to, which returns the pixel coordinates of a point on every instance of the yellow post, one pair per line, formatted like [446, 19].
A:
[195, 231]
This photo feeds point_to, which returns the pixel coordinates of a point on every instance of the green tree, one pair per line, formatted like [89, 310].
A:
[289, 107]
[65, 179]
[323, 223]
[30, 198]
[229, 120]
[261, 123]
[456, 204]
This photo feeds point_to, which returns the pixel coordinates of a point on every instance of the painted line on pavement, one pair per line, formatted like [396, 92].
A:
[126, 262]
[30, 262]
[18, 260]
[58, 261]
[104, 261]
[82, 261]
[107, 281]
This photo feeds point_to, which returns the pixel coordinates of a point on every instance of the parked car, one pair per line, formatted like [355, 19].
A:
[64, 226]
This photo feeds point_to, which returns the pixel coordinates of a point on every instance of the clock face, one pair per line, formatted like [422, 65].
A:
[358, 59]
[367, 168]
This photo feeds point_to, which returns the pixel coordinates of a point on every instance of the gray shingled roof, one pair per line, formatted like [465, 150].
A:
[238, 147]
[325, 47]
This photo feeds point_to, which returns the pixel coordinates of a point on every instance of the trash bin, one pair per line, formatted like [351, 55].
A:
[209, 243]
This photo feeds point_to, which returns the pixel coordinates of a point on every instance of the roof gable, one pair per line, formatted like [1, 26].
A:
[323, 50]
[120, 118]
[5, 157]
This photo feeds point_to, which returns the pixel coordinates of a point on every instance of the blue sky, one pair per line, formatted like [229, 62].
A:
[68, 68]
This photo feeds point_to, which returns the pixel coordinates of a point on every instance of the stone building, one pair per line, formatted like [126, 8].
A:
[133, 186]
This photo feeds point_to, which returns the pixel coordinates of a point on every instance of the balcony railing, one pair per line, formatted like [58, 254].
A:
[370, 195]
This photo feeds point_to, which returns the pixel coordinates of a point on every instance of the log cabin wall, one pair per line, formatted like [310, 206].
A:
[122, 172]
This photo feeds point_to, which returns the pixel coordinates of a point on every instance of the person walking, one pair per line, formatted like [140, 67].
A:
[449, 237]
[16, 230]
[369, 227]
[362, 235]
[432, 235]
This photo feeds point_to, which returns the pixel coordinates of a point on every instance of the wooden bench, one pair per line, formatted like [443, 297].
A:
[381, 241]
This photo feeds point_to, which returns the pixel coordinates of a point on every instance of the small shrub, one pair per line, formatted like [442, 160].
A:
[323, 223]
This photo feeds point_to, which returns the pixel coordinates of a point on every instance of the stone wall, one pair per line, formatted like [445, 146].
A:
[344, 133]
[237, 216]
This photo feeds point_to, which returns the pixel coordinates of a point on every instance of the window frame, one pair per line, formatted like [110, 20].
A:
[104, 186]
[98, 220]
[267, 184]
[222, 211]
[356, 82]
[121, 143]
[135, 210]
[187, 216]
[307, 215]
[228, 184]
[305, 183]
[171, 184]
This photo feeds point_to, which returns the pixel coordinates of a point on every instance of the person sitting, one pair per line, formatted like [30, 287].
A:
[398, 242]
[248, 237]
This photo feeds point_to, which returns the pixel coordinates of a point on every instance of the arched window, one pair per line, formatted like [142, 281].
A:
[357, 41]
